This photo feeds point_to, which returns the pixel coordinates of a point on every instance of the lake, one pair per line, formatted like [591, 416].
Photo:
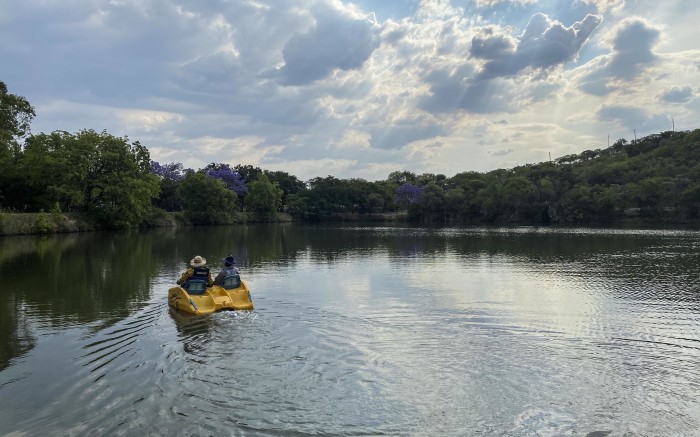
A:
[376, 330]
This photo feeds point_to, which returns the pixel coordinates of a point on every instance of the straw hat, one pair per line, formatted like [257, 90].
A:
[198, 261]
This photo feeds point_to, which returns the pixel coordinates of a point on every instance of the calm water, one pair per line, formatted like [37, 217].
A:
[356, 331]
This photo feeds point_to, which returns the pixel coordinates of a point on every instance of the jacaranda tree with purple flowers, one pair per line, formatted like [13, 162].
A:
[173, 171]
[229, 176]
[408, 194]
[171, 176]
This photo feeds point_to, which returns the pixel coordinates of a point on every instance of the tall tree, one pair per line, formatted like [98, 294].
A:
[16, 115]
[289, 184]
[264, 198]
[97, 173]
[207, 200]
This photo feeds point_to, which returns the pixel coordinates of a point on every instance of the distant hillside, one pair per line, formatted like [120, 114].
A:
[655, 178]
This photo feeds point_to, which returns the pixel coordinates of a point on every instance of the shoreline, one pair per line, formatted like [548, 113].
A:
[42, 223]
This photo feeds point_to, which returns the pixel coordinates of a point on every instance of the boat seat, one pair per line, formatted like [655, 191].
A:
[231, 282]
[195, 286]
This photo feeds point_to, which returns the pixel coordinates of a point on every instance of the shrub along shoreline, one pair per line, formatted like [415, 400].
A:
[58, 223]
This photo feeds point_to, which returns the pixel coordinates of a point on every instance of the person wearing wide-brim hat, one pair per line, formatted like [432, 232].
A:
[198, 270]
[228, 270]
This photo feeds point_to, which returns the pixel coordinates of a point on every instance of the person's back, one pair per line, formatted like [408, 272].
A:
[228, 270]
[197, 271]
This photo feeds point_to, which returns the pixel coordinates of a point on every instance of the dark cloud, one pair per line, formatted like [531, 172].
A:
[490, 46]
[399, 135]
[632, 53]
[454, 92]
[633, 118]
[677, 94]
[336, 41]
[544, 43]
[632, 48]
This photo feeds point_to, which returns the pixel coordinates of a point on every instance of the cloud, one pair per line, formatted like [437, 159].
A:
[319, 86]
[337, 40]
[633, 118]
[677, 94]
[603, 6]
[544, 43]
[484, 83]
[400, 135]
[500, 152]
[631, 55]
[494, 3]
[454, 91]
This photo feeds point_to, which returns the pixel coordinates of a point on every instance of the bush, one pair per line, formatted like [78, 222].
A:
[57, 216]
[42, 224]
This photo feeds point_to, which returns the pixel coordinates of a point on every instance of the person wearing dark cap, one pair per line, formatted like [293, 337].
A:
[228, 270]
[199, 270]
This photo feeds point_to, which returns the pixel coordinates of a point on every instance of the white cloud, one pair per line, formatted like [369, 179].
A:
[494, 3]
[603, 6]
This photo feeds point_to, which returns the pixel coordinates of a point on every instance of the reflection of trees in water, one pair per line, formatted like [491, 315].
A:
[80, 278]
[664, 262]
[16, 338]
[63, 280]
[14, 247]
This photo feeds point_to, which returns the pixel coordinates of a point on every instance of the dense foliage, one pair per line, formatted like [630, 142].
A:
[115, 182]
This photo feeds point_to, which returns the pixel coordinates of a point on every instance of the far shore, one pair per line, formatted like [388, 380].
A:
[57, 223]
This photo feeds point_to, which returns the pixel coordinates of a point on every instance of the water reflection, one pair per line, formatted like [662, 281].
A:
[357, 330]
[194, 332]
[66, 280]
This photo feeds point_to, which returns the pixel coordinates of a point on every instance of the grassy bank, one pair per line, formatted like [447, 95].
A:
[56, 223]
[43, 223]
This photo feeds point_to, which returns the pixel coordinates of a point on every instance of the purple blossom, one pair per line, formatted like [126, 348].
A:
[408, 193]
[230, 177]
[173, 171]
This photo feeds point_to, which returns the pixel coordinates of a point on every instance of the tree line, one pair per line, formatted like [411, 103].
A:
[113, 181]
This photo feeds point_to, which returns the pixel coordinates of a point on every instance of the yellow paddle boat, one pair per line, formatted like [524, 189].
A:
[196, 298]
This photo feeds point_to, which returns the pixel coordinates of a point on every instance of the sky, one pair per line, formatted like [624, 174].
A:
[356, 89]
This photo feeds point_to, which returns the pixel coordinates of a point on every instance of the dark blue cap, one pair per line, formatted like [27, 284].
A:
[229, 261]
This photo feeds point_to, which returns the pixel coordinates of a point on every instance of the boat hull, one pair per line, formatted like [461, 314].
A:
[213, 299]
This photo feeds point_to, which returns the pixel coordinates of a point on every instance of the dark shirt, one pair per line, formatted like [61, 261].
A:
[190, 272]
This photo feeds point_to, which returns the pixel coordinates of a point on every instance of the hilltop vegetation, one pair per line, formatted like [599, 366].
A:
[113, 182]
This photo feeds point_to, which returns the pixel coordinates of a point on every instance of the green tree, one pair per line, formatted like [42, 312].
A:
[16, 115]
[206, 200]
[297, 205]
[264, 198]
[248, 172]
[401, 177]
[289, 184]
[57, 167]
[120, 187]
[431, 204]
[520, 195]
[97, 173]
